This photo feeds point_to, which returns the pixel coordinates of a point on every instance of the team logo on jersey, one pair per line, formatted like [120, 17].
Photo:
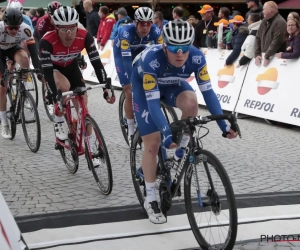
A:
[154, 64]
[124, 45]
[149, 82]
[27, 32]
[203, 74]
[160, 40]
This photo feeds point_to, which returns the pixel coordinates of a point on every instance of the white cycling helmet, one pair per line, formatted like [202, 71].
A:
[65, 15]
[178, 32]
[143, 14]
[16, 5]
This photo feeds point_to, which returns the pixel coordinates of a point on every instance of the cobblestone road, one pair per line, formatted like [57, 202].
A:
[266, 159]
[268, 246]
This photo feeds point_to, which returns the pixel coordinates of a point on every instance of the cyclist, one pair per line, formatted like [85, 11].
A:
[45, 23]
[19, 6]
[12, 31]
[59, 50]
[130, 41]
[161, 71]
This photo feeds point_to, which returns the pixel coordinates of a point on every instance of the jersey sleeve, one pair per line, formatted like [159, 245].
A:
[125, 39]
[156, 35]
[27, 35]
[94, 57]
[152, 93]
[204, 84]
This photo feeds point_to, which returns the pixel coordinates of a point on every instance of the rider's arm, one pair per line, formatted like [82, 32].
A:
[157, 35]
[27, 35]
[94, 57]
[209, 95]
[46, 63]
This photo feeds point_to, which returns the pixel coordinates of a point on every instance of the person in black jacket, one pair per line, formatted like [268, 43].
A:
[204, 26]
[92, 18]
[239, 35]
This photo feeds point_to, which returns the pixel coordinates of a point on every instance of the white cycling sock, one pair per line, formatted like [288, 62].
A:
[58, 119]
[3, 118]
[150, 189]
[130, 123]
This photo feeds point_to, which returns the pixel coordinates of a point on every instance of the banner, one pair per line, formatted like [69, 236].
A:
[271, 92]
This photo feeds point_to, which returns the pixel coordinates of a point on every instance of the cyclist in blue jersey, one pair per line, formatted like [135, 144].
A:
[130, 41]
[161, 71]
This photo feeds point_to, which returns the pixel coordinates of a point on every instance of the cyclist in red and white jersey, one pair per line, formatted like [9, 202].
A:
[45, 23]
[12, 32]
[59, 50]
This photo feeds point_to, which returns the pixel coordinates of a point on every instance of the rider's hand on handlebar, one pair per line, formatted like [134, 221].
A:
[109, 99]
[231, 134]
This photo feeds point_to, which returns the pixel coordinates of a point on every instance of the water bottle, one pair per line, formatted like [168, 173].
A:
[13, 92]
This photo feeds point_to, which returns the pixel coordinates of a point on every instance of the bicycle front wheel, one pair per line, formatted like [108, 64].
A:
[97, 157]
[49, 108]
[215, 225]
[10, 112]
[122, 118]
[32, 87]
[30, 122]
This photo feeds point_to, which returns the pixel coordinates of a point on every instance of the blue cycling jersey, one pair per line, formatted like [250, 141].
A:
[128, 44]
[159, 78]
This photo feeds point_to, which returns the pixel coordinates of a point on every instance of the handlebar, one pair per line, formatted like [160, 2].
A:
[198, 120]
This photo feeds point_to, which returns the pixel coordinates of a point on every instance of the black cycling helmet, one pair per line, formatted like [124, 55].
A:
[52, 7]
[12, 17]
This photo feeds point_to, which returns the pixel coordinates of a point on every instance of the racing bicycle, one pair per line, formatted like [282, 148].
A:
[197, 167]
[168, 111]
[85, 138]
[22, 108]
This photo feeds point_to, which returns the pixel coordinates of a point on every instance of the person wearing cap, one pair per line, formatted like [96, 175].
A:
[204, 26]
[123, 19]
[239, 35]
[254, 6]
[212, 37]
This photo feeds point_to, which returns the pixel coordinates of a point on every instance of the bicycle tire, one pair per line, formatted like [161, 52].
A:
[72, 169]
[135, 141]
[90, 120]
[124, 127]
[11, 115]
[231, 236]
[45, 102]
[171, 111]
[35, 148]
[36, 92]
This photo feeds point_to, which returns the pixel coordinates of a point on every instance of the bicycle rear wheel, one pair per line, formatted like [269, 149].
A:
[98, 158]
[28, 104]
[10, 112]
[49, 108]
[222, 213]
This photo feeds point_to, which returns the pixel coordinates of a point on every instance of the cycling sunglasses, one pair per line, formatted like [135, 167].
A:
[177, 48]
[145, 23]
[13, 27]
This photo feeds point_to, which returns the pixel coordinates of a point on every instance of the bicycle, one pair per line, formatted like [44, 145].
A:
[47, 93]
[168, 111]
[20, 100]
[209, 200]
[78, 135]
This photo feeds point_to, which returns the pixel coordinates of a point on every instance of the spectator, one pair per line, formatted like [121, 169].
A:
[92, 18]
[239, 35]
[205, 25]
[249, 45]
[105, 27]
[192, 21]
[123, 19]
[255, 7]
[293, 44]
[81, 12]
[224, 13]
[212, 38]
[177, 12]
[159, 20]
[40, 12]
[270, 38]
[33, 17]
[293, 15]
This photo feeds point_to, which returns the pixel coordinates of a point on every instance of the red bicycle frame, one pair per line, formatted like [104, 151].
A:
[77, 135]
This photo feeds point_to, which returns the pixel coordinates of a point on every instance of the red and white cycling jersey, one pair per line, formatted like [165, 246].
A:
[44, 25]
[7, 41]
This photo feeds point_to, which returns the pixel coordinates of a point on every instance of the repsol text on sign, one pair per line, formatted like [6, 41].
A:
[224, 98]
[265, 106]
[295, 112]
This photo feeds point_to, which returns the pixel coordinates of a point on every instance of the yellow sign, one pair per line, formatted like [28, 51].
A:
[203, 74]
[160, 40]
[124, 45]
[149, 82]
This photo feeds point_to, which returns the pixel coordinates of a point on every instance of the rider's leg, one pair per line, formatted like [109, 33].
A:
[21, 57]
[5, 131]
[151, 139]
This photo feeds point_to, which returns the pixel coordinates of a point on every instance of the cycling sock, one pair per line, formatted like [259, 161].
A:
[183, 144]
[91, 141]
[150, 189]
[130, 123]
[3, 118]
[58, 119]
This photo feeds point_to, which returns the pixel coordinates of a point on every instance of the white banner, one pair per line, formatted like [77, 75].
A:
[271, 92]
